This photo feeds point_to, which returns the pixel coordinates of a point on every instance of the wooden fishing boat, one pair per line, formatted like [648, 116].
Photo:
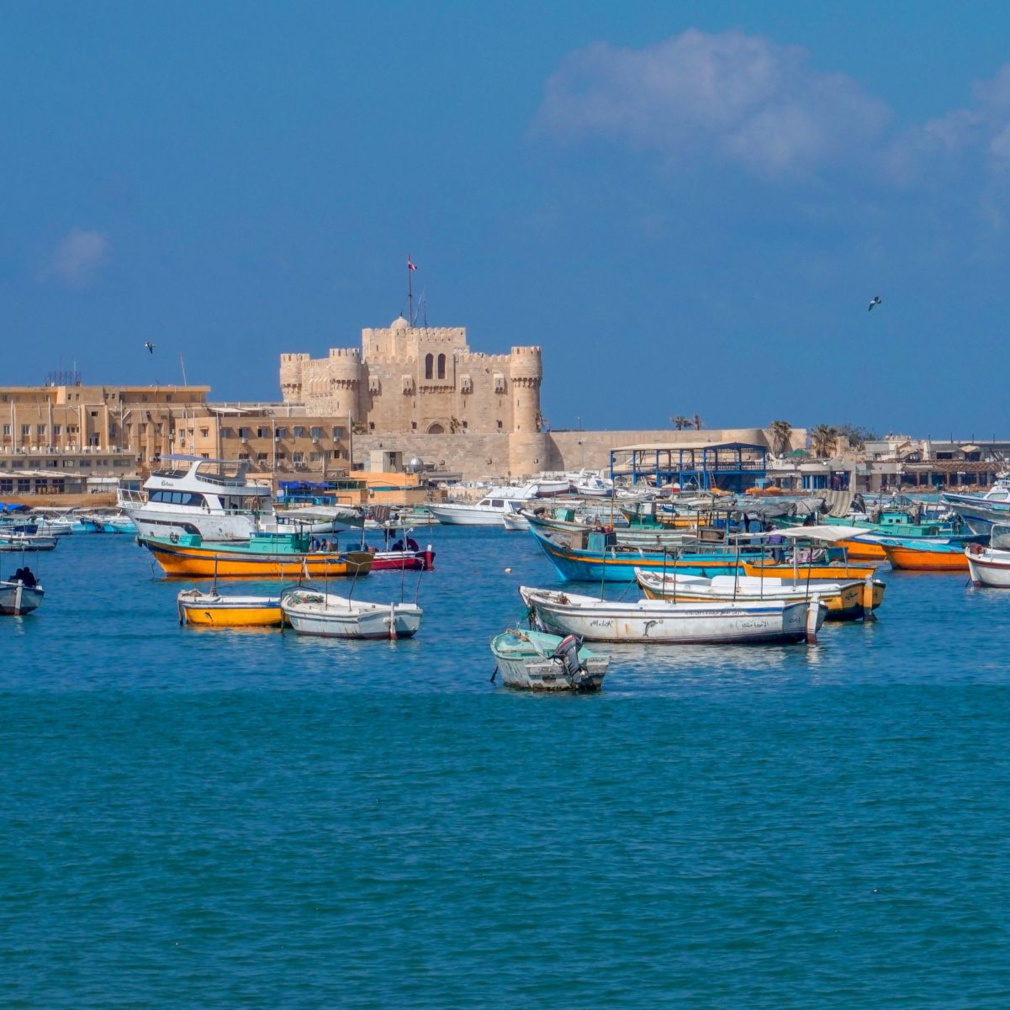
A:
[989, 564]
[661, 622]
[592, 556]
[799, 569]
[928, 554]
[264, 555]
[27, 542]
[212, 610]
[648, 538]
[807, 552]
[846, 600]
[20, 594]
[538, 661]
[311, 612]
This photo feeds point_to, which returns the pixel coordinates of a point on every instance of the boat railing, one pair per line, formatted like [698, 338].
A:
[130, 496]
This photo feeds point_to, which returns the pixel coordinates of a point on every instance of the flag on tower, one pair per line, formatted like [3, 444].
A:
[410, 265]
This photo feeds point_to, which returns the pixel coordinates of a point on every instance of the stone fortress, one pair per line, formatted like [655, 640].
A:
[419, 384]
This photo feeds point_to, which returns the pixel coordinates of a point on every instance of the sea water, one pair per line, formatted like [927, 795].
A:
[208, 818]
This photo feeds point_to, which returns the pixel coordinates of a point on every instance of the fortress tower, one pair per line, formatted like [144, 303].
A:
[527, 444]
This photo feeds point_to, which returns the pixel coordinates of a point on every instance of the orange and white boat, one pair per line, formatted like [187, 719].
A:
[212, 610]
[264, 556]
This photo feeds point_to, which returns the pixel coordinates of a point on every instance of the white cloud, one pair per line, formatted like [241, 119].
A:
[740, 98]
[977, 135]
[79, 257]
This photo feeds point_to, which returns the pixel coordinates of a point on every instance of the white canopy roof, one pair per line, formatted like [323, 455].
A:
[829, 533]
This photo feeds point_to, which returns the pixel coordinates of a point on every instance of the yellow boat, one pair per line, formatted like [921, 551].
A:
[264, 556]
[834, 570]
[846, 600]
[211, 610]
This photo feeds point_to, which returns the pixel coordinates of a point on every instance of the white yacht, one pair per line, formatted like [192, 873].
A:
[489, 511]
[213, 497]
[190, 494]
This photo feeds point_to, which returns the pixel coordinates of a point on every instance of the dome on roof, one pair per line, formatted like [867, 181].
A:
[399, 323]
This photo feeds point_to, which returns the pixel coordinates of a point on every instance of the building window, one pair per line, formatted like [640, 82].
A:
[26, 430]
[40, 430]
[429, 362]
[317, 432]
[441, 366]
[299, 432]
[7, 429]
[281, 433]
[226, 432]
[204, 432]
[262, 432]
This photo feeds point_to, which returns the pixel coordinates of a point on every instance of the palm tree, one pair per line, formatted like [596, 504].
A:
[781, 432]
[697, 423]
[823, 439]
[680, 423]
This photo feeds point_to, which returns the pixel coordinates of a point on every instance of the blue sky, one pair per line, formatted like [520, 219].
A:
[688, 206]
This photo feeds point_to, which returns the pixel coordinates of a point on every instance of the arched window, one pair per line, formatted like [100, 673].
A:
[428, 362]
[436, 429]
[441, 366]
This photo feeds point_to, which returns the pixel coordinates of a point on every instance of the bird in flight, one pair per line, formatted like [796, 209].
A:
[875, 300]
[149, 346]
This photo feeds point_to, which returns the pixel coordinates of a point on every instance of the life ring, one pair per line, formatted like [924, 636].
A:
[174, 537]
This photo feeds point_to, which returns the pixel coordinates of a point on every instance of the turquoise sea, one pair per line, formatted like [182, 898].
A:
[249, 819]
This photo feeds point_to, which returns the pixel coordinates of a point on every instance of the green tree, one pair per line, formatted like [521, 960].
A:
[680, 423]
[781, 434]
[823, 439]
[854, 436]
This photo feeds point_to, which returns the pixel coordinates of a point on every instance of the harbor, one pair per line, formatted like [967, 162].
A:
[362, 762]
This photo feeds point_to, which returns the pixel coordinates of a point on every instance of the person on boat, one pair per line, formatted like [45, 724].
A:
[412, 544]
[397, 545]
[314, 545]
[28, 577]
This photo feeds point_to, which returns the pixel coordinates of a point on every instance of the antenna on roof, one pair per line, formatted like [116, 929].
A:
[182, 364]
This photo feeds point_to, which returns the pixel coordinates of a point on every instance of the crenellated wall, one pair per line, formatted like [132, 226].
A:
[415, 381]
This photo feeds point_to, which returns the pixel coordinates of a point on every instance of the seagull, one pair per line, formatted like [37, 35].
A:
[875, 300]
[149, 346]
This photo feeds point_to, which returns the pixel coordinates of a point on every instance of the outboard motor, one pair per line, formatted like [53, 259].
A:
[567, 654]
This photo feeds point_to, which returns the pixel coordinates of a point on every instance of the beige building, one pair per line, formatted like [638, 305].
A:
[408, 382]
[54, 437]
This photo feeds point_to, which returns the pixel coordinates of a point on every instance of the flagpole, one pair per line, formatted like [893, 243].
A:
[410, 291]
